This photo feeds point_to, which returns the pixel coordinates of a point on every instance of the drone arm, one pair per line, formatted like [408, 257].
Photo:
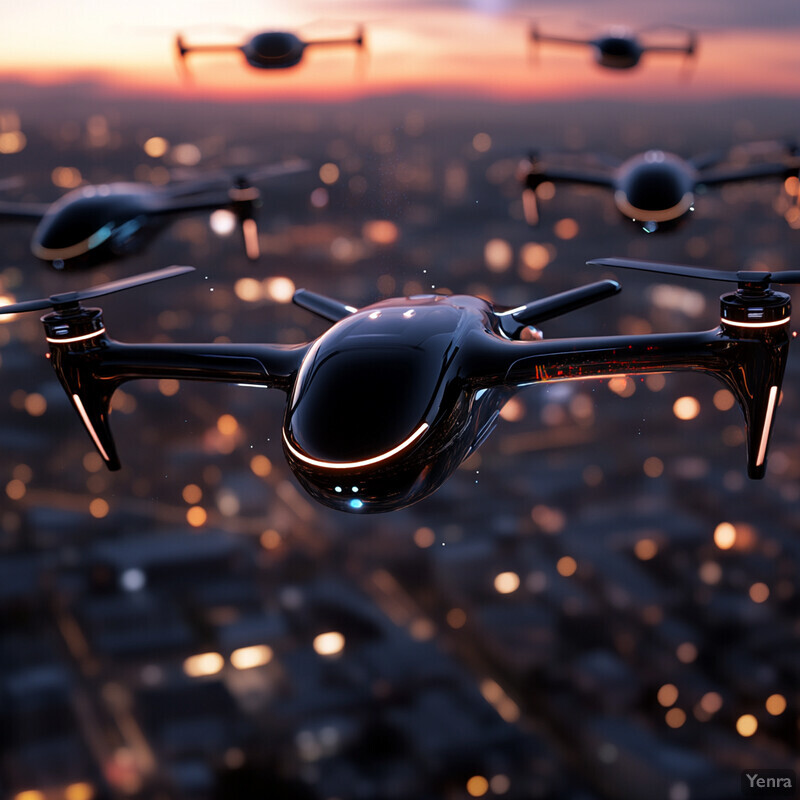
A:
[556, 174]
[242, 201]
[356, 40]
[18, 212]
[538, 175]
[185, 49]
[262, 365]
[751, 365]
[90, 370]
[749, 173]
[537, 37]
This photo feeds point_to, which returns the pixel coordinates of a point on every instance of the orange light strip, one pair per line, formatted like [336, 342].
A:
[76, 338]
[356, 464]
[762, 448]
[89, 427]
[661, 215]
[773, 324]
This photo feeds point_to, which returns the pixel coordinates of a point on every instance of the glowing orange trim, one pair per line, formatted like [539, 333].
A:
[250, 231]
[659, 215]
[356, 464]
[76, 338]
[756, 324]
[762, 448]
[599, 377]
[89, 427]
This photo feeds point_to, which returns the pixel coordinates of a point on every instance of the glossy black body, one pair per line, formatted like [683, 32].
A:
[384, 406]
[269, 49]
[96, 224]
[617, 48]
[656, 189]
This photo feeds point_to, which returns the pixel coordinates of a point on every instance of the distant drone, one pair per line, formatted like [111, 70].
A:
[618, 48]
[384, 406]
[654, 189]
[268, 50]
[92, 225]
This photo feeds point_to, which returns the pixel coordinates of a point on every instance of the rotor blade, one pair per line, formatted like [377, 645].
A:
[135, 280]
[189, 182]
[290, 167]
[26, 305]
[741, 276]
[666, 269]
[325, 307]
[95, 291]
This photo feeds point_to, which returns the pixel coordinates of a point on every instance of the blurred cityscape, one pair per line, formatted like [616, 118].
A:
[598, 605]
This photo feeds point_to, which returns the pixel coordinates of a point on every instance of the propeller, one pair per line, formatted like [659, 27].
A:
[66, 300]
[745, 278]
[191, 180]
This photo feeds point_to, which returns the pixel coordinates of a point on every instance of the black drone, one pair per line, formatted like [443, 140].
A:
[654, 189]
[270, 49]
[384, 406]
[95, 224]
[618, 48]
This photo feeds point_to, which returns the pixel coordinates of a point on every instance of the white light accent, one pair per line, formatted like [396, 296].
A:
[92, 433]
[762, 448]
[351, 309]
[772, 324]
[410, 313]
[511, 311]
[76, 338]
[255, 385]
[374, 315]
[356, 464]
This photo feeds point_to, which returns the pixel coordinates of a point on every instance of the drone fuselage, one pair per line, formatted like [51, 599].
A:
[274, 50]
[655, 189]
[92, 225]
[617, 51]
[385, 406]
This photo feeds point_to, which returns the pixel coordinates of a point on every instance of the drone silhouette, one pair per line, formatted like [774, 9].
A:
[387, 402]
[654, 189]
[270, 49]
[95, 224]
[618, 47]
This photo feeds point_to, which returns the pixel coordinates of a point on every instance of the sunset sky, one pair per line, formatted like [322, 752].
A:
[478, 47]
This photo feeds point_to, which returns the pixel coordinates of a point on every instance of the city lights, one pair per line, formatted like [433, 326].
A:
[725, 536]
[506, 582]
[203, 665]
[329, 644]
[686, 408]
[249, 657]
[746, 725]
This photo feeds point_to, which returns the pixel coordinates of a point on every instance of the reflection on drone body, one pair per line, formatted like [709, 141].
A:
[268, 50]
[385, 405]
[92, 225]
[655, 189]
[618, 48]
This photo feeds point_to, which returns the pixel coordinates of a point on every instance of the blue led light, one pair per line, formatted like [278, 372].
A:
[337, 488]
[355, 503]
[355, 489]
